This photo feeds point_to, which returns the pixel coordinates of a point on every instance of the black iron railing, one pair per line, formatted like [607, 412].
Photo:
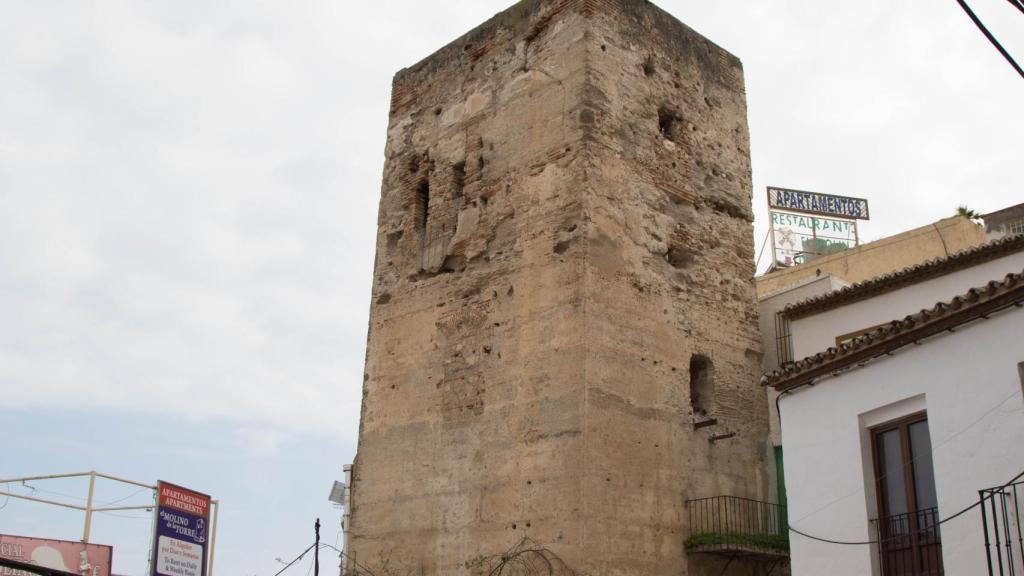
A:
[910, 544]
[733, 525]
[1001, 511]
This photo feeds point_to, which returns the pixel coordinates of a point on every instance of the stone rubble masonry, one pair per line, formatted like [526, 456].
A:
[564, 224]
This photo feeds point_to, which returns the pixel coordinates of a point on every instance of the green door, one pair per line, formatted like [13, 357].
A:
[781, 473]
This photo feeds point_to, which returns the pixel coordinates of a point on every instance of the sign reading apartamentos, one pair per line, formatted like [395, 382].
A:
[815, 203]
[182, 520]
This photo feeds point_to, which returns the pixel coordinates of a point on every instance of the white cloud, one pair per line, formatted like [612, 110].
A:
[180, 233]
[189, 189]
[188, 198]
[260, 443]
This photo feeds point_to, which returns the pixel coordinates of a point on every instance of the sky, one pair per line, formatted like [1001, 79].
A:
[188, 196]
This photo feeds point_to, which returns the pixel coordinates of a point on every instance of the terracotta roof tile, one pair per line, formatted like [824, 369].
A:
[910, 275]
[976, 303]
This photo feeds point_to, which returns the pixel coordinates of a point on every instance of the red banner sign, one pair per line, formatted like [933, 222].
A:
[75, 557]
[184, 500]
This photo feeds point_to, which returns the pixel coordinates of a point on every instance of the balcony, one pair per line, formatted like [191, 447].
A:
[738, 528]
[1002, 515]
[910, 544]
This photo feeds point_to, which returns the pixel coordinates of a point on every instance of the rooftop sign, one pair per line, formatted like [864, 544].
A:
[815, 203]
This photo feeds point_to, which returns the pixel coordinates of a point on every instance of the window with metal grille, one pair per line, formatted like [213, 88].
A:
[1016, 227]
[783, 338]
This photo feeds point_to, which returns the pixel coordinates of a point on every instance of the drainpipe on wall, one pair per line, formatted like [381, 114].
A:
[346, 518]
[941, 238]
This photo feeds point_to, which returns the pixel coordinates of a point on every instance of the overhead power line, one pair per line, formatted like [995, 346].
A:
[977, 22]
[922, 530]
[761, 253]
[934, 449]
[1017, 4]
[357, 564]
[297, 558]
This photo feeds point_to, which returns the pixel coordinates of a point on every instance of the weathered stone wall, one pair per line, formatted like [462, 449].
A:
[564, 226]
[668, 277]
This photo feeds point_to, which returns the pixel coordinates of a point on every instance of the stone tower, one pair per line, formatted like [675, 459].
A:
[563, 288]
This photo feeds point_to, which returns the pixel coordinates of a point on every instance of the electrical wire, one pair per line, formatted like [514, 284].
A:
[126, 516]
[764, 243]
[342, 552]
[919, 531]
[991, 38]
[128, 497]
[35, 489]
[297, 558]
[1017, 4]
[52, 492]
[945, 441]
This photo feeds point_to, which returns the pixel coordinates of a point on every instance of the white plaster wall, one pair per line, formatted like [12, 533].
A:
[772, 304]
[768, 307]
[818, 332]
[971, 387]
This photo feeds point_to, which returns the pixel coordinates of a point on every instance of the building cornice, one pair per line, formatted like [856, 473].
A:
[906, 276]
[943, 317]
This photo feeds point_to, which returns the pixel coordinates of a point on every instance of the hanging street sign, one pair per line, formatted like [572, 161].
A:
[181, 534]
[815, 203]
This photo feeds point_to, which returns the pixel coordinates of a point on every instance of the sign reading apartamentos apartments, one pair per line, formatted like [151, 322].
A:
[815, 203]
[182, 519]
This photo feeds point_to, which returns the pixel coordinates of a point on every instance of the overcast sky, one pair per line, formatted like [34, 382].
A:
[188, 196]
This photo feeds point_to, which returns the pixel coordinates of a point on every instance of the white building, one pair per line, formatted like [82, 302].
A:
[1005, 222]
[776, 348]
[891, 425]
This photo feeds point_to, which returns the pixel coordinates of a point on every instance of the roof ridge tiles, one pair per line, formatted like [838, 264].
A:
[976, 302]
[917, 272]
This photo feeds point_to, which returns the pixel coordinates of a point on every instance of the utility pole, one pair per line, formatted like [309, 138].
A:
[316, 552]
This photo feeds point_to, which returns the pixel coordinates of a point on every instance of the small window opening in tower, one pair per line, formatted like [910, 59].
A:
[702, 384]
[648, 66]
[458, 180]
[668, 123]
[422, 204]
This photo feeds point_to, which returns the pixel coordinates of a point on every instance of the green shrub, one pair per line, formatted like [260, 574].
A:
[778, 542]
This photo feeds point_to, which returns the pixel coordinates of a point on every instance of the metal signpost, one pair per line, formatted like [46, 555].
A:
[181, 534]
[90, 507]
[804, 225]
